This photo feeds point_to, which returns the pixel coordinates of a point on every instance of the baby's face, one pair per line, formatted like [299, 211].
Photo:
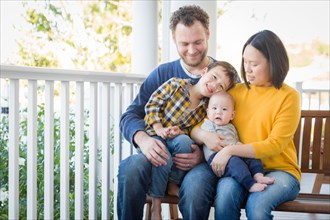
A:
[220, 110]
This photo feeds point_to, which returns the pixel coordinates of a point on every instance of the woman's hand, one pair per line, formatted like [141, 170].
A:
[212, 140]
[220, 161]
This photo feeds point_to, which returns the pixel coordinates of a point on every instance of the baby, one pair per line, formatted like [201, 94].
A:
[247, 171]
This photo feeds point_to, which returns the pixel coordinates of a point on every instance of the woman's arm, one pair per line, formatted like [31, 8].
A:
[221, 159]
[212, 140]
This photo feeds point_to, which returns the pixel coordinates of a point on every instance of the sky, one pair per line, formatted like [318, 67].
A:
[295, 22]
[10, 11]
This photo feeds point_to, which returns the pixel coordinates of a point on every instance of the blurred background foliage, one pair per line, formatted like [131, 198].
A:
[97, 36]
[91, 35]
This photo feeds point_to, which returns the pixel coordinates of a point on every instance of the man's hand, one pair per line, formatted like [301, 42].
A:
[186, 161]
[152, 148]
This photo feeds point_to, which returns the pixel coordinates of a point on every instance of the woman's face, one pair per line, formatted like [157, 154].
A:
[256, 67]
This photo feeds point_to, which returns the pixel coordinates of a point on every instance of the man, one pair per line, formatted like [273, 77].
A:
[190, 32]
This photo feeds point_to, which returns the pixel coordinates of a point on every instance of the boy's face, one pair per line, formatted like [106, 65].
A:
[213, 81]
[220, 109]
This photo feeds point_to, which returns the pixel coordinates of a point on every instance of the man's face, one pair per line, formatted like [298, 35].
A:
[191, 43]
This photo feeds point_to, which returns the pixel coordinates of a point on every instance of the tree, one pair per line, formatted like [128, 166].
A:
[88, 35]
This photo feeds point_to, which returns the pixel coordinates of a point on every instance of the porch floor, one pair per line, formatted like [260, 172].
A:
[295, 216]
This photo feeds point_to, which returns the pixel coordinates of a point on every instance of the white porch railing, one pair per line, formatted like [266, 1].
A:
[313, 99]
[105, 96]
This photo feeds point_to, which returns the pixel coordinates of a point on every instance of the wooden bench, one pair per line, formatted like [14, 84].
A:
[312, 141]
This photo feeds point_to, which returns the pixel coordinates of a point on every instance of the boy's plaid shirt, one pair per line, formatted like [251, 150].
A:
[169, 104]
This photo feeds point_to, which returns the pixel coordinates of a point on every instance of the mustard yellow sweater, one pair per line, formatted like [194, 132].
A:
[267, 118]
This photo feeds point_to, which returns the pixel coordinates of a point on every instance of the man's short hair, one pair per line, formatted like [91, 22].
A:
[187, 15]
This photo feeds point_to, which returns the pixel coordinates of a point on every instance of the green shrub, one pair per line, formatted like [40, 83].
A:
[4, 131]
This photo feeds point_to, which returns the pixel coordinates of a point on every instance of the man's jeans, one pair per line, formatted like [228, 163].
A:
[134, 177]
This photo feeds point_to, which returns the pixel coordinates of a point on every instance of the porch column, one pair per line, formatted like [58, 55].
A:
[145, 36]
[169, 51]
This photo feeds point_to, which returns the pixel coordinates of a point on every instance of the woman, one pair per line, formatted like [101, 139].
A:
[267, 115]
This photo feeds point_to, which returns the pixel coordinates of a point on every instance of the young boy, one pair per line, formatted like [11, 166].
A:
[171, 112]
[249, 172]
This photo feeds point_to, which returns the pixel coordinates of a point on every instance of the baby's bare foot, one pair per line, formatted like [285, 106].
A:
[156, 209]
[173, 189]
[257, 187]
[264, 179]
[156, 215]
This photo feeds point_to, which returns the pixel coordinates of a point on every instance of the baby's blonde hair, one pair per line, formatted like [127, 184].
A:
[223, 94]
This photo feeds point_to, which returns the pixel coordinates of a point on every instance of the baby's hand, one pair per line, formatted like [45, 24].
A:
[162, 132]
[174, 131]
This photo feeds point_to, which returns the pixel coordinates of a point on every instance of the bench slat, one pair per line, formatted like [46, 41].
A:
[316, 144]
[311, 203]
[306, 140]
[326, 146]
[309, 206]
[307, 202]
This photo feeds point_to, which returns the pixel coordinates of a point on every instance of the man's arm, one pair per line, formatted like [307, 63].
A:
[132, 123]
[132, 120]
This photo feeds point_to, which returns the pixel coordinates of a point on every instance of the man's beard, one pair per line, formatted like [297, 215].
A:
[196, 63]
